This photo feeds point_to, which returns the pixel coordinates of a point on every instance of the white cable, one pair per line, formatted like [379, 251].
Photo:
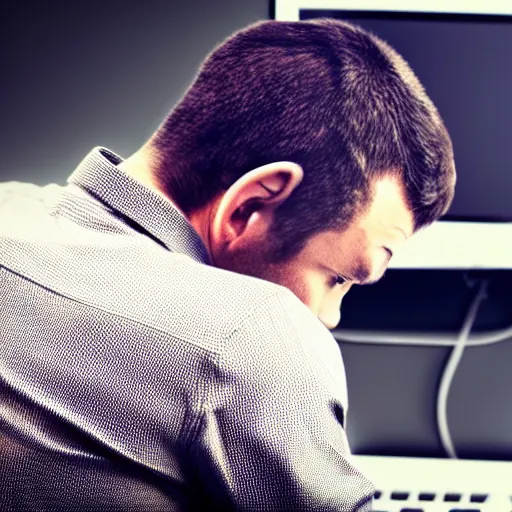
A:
[450, 369]
[426, 339]
[464, 339]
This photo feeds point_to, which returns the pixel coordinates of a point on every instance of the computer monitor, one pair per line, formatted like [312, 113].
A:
[461, 53]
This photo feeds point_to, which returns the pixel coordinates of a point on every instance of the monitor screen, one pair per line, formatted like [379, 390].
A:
[464, 63]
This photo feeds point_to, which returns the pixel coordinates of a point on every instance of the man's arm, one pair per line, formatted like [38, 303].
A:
[272, 434]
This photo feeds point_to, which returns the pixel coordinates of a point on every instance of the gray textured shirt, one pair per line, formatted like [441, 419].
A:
[136, 376]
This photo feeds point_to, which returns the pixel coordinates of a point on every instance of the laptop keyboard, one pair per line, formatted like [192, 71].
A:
[438, 485]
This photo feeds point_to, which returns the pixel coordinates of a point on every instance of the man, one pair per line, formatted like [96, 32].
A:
[164, 318]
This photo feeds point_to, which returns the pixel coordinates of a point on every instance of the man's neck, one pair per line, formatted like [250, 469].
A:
[141, 167]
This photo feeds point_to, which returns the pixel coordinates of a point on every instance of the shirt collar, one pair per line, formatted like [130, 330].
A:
[99, 175]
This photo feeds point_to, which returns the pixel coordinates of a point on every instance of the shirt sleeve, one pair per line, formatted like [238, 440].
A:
[272, 436]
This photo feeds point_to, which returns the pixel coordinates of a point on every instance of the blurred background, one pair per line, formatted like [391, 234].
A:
[79, 74]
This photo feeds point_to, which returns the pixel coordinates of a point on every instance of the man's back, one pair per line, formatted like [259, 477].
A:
[135, 376]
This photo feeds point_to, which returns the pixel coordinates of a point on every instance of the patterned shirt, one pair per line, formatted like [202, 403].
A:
[134, 375]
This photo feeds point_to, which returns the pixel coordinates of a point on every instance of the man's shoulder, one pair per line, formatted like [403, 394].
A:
[136, 279]
[23, 207]
[199, 303]
[279, 340]
[18, 191]
[18, 187]
[195, 300]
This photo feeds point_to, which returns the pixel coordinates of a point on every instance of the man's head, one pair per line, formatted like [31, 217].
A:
[305, 151]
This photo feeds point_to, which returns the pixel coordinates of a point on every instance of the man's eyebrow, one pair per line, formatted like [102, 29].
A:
[362, 275]
[369, 281]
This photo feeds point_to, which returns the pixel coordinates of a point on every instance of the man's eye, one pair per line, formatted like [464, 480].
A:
[338, 280]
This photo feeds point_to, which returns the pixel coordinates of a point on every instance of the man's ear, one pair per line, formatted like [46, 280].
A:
[245, 211]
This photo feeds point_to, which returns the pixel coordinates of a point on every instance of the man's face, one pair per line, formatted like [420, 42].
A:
[332, 262]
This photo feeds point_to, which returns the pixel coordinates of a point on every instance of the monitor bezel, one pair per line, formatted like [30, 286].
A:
[454, 241]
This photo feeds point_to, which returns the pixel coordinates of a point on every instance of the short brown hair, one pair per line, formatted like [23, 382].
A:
[324, 94]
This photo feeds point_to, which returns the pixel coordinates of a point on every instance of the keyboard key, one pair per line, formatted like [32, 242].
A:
[452, 496]
[400, 496]
[478, 498]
